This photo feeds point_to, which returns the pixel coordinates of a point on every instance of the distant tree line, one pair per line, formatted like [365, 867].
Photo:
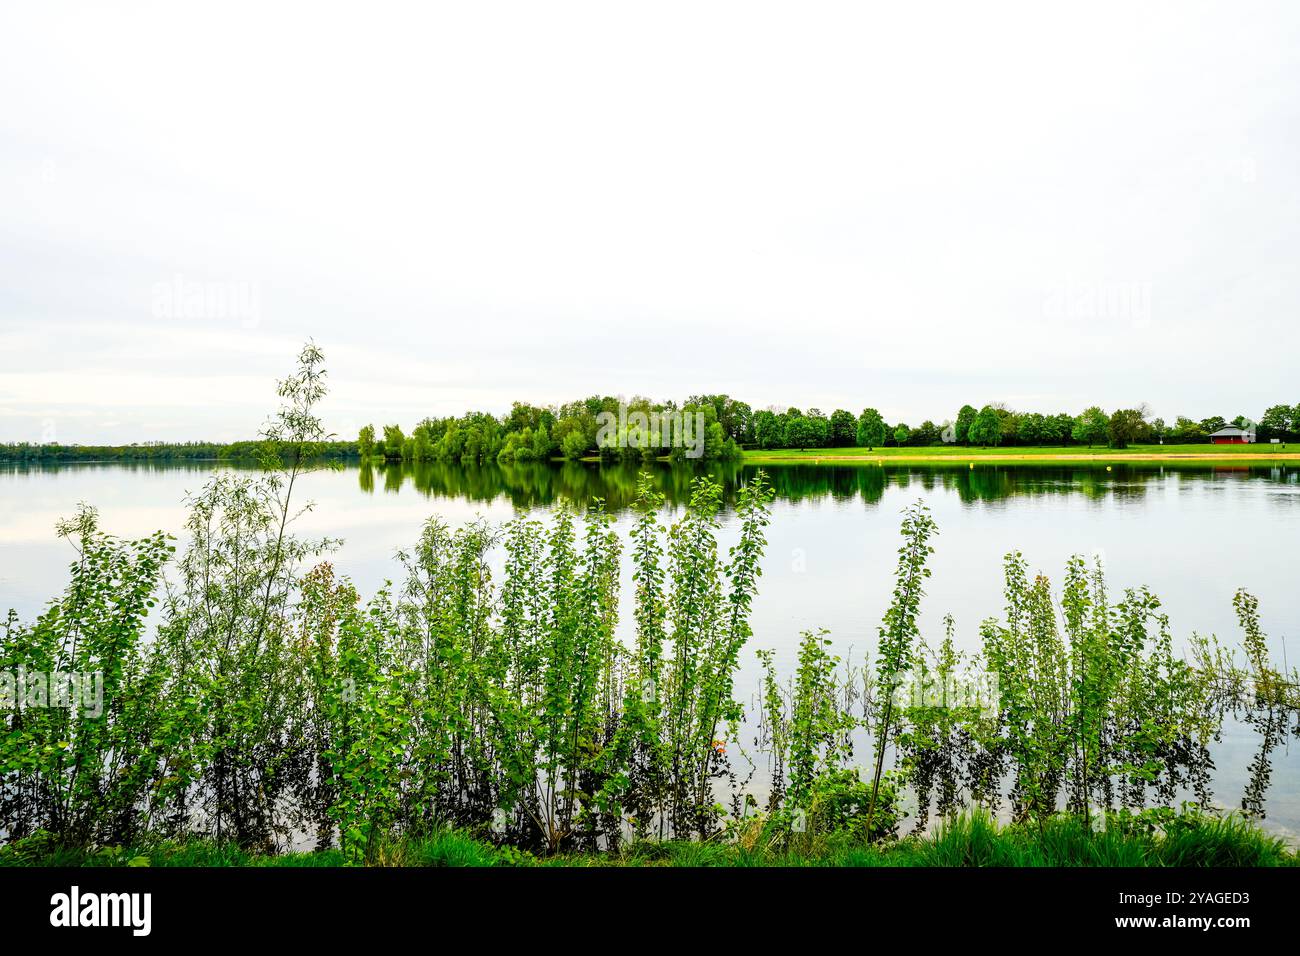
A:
[996, 424]
[570, 431]
[35, 453]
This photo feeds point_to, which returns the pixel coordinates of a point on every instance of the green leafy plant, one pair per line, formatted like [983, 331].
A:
[899, 631]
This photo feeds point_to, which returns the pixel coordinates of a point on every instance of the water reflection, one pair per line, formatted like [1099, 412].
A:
[1270, 722]
[532, 485]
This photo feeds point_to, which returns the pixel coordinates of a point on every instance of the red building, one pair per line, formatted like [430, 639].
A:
[1232, 435]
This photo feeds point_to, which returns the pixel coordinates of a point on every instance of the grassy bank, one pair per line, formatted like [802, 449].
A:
[968, 840]
[1073, 453]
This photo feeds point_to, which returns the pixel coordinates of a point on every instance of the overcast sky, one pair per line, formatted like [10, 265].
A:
[911, 206]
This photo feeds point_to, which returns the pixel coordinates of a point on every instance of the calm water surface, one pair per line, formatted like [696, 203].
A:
[1193, 534]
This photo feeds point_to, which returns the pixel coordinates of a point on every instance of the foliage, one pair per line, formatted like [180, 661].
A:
[898, 631]
[272, 701]
[871, 428]
[1126, 426]
[986, 429]
[1091, 426]
[85, 772]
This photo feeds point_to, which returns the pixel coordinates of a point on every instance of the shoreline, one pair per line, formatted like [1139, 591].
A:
[1104, 457]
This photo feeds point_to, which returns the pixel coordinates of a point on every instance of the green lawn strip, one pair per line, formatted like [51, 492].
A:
[950, 453]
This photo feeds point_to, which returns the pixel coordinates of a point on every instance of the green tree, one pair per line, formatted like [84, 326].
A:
[1276, 422]
[899, 632]
[1062, 428]
[574, 445]
[986, 430]
[800, 432]
[1008, 425]
[715, 441]
[542, 445]
[844, 428]
[965, 419]
[394, 440]
[422, 441]
[366, 442]
[1091, 426]
[871, 429]
[524, 416]
[767, 429]
[1033, 427]
[1125, 427]
[1187, 431]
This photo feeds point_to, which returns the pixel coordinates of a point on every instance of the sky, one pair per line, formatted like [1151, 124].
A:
[905, 206]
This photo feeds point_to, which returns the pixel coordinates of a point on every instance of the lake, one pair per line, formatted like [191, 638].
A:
[1192, 533]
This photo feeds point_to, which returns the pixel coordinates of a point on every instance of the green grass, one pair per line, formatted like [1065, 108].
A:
[974, 840]
[969, 840]
[1066, 453]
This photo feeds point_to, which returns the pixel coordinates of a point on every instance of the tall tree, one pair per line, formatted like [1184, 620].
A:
[927, 434]
[1091, 426]
[767, 429]
[1276, 422]
[799, 432]
[1125, 427]
[1008, 424]
[986, 430]
[871, 429]
[844, 428]
[965, 418]
[1033, 428]
[393, 441]
[1187, 431]
[1062, 428]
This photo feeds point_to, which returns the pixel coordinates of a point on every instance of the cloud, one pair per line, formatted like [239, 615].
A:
[855, 205]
